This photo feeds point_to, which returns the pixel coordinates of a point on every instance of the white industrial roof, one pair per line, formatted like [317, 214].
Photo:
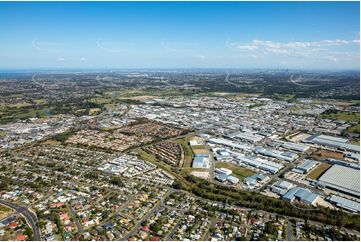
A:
[332, 138]
[345, 203]
[342, 178]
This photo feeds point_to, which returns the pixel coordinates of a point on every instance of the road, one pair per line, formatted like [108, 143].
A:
[289, 231]
[231, 83]
[29, 217]
[146, 217]
[73, 215]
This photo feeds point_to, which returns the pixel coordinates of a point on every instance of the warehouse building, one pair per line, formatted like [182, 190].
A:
[255, 179]
[262, 164]
[221, 177]
[281, 187]
[301, 194]
[223, 171]
[286, 156]
[222, 155]
[200, 161]
[343, 163]
[344, 203]
[305, 167]
[341, 178]
[293, 146]
[230, 143]
[334, 142]
[232, 179]
[247, 136]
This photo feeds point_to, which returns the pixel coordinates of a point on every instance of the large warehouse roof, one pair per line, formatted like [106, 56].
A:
[345, 203]
[342, 178]
[331, 141]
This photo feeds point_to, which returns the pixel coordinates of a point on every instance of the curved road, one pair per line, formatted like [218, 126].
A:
[29, 216]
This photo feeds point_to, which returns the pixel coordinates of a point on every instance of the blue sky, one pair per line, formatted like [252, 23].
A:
[299, 35]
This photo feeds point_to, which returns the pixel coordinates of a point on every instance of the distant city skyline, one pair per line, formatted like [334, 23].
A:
[123, 35]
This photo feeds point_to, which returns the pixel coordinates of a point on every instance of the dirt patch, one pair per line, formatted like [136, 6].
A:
[318, 171]
[330, 154]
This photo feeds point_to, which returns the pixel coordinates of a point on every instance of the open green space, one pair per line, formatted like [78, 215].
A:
[4, 211]
[237, 171]
[188, 153]
[345, 116]
[354, 129]
[15, 113]
[156, 92]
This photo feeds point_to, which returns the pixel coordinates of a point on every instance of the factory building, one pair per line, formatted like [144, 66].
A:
[281, 187]
[286, 156]
[248, 136]
[341, 178]
[222, 155]
[343, 163]
[262, 164]
[200, 161]
[223, 171]
[221, 177]
[230, 143]
[344, 203]
[232, 179]
[293, 146]
[301, 194]
[305, 166]
[334, 142]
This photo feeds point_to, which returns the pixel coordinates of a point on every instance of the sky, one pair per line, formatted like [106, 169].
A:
[293, 35]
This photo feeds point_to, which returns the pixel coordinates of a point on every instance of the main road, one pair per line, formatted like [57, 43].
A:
[29, 216]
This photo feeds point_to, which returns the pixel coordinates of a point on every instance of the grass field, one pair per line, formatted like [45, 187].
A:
[318, 171]
[354, 129]
[343, 116]
[237, 171]
[4, 212]
[355, 142]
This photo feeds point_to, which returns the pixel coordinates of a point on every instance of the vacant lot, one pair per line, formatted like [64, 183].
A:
[330, 154]
[318, 171]
[237, 171]
[200, 151]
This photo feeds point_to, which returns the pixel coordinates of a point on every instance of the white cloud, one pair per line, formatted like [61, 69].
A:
[247, 47]
[61, 59]
[316, 49]
[83, 59]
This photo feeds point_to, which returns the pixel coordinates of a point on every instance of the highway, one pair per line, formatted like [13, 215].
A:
[29, 216]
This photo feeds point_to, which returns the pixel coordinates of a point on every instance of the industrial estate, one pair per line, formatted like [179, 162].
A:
[139, 156]
[180, 121]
